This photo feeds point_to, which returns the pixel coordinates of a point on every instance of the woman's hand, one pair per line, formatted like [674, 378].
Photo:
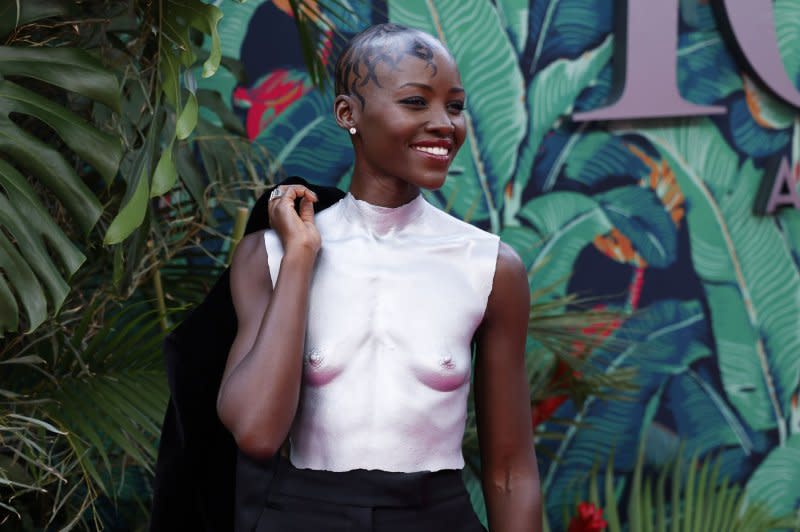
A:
[296, 230]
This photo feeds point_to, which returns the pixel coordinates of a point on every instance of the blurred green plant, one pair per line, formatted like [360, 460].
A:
[113, 166]
[685, 495]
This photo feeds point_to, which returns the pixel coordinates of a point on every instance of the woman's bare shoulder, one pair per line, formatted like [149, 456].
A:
[509, 263]
[510, 291]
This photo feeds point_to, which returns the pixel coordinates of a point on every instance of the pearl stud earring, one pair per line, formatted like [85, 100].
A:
[352, 131]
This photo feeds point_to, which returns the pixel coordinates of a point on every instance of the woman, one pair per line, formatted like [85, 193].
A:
[355, 325]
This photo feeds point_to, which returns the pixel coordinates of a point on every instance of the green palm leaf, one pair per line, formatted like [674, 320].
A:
[704, 421]
[776, 484]
[701, 500]
[789, 221]
[114, 400]
[566, 222]
[514, 17]
[496, 118]
[747, 284]
[36, 279]
[551, 95]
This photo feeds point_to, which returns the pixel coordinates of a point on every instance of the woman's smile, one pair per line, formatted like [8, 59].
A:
[435, 150]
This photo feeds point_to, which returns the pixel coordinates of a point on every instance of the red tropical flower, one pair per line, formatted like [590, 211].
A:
[588, 519]
[270, 97]
[563, 374]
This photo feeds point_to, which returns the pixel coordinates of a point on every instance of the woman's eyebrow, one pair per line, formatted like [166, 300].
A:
[428, 87]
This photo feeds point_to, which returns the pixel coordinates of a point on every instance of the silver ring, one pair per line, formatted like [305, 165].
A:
[276, 193]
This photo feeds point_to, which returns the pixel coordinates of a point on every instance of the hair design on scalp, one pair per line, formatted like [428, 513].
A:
[361, 56]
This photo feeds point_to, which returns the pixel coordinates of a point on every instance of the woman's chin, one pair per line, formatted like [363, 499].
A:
[431, 182]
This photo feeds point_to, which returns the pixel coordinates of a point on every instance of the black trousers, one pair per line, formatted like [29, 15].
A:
[302, 500]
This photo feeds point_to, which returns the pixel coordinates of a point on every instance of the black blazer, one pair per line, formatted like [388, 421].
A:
[195, 486]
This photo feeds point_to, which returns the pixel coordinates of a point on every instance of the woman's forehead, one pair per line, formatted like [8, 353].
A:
[389, 60]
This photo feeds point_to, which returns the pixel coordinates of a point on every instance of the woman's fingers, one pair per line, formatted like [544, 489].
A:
[294, 227]
[307, 209]
[289, 193]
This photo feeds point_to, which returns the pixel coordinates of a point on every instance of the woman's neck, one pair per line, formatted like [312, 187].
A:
[382, 191]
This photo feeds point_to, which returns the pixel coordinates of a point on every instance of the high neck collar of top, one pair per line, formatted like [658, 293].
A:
[382, 220]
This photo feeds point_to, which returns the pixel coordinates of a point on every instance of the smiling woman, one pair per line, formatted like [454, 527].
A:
[402, 92]
[356, 325]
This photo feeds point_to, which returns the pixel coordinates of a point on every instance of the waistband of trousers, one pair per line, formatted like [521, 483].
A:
[368, 487]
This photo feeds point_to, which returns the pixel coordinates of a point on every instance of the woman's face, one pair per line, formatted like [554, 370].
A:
[411, 122]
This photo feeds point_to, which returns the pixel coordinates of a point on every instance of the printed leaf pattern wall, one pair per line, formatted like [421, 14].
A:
[654, 217]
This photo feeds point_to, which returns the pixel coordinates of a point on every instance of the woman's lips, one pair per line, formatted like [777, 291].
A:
[435, 150]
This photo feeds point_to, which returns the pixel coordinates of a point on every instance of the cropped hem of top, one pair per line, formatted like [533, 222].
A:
[396, 297]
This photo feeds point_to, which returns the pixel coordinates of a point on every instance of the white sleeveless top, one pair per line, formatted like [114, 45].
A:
[396, 296]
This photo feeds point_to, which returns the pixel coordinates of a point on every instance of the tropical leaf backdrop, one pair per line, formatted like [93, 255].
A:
[652, 219]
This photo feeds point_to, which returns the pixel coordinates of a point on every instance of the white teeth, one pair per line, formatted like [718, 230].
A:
[433, 150]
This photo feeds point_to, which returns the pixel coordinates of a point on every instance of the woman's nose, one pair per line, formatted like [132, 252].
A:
[440, 122]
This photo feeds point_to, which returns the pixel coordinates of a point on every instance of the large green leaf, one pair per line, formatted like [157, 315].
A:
[566, 222]
[749, 275]
[639, 215]
[707, 71]
[776, 482]
[496, 117]
[704, 420]
[14, 13]
[550, 96]
[514, 16]
[598, 156]
[233, 26]
[789, 220]
[787, 27]
[30, 232]
[25, 260]
[69, 68]
[155, 169]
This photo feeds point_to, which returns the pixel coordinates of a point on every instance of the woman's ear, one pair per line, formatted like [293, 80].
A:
[345, 112]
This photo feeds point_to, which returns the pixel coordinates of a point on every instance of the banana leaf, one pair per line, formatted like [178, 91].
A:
[749, 276]
[776, 482]
[551, 95]
[568, 222]
[565, 29]
[514, 15]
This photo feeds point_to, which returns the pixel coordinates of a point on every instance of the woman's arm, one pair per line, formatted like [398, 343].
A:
[260, 387]
[510, 476]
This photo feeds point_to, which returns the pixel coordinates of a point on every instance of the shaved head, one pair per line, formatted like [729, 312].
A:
[382, 44]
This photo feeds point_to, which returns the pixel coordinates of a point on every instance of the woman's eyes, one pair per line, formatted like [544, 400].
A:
[417, 101]
[457, 106]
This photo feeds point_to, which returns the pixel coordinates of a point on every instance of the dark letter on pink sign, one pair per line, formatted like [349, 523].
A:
[752, 24]
[646, 44]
